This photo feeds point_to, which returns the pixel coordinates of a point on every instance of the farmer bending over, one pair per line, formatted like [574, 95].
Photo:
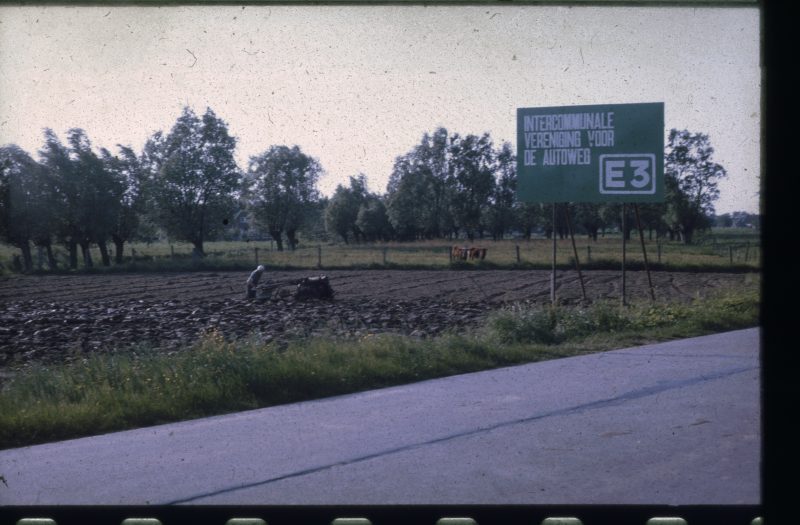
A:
[252, 281]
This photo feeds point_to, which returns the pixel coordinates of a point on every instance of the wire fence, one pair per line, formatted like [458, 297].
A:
[710, 253]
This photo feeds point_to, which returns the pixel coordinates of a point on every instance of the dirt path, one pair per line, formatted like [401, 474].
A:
[63, 317]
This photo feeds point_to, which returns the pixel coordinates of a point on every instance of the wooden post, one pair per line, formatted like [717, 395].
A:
[644, 252]
[517, 248]
[730, 254]
[172, 251]
[588, 254]
[553, 273]
[256, 250]
[574, 250]
[133, 254]
[623, 254]
[746, 251]
[659, 251]
[384, 255]
[319, 256]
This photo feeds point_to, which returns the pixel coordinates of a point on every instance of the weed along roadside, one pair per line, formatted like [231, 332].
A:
[138, 386]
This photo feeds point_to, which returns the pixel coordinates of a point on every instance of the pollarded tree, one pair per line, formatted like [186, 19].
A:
[128, 170]
[55, 158]
[692, 182]
[19, 205]
[99, 196]
[282, 190]
[194, 179]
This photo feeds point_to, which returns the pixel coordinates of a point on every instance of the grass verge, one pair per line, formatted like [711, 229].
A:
[143, 387]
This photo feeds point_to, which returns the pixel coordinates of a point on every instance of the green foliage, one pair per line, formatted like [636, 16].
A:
[194, 177]
[341, 215]
[552, 324]
[692, 182]
[282, 190]
[20, 205]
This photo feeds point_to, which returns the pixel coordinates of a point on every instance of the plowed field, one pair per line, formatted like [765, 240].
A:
[56, 318]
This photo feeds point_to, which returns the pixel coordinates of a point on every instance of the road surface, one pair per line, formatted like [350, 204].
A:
[672, 423]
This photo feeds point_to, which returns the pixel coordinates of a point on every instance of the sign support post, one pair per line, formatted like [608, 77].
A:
[553, 273]
[644, 252]
[623, 254]
[574, 250]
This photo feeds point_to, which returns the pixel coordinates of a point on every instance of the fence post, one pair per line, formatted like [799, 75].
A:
[746, 251]
[256, 250]
[319, 256]
[133, 254]
[658, 244]
[730, 254]
[384, 255]
[588, 254]
[172, 251]
[517, 247]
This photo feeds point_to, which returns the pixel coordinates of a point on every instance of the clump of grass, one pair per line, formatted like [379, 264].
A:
[142, 386]
[555, 324]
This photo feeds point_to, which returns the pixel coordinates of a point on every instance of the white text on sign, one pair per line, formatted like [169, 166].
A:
[566, 139]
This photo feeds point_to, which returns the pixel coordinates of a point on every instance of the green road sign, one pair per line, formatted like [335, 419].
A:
[602, 153]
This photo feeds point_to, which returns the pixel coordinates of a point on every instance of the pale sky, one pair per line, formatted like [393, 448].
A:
[357, 86]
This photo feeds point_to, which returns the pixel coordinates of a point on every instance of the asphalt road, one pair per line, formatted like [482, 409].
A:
[672, 423]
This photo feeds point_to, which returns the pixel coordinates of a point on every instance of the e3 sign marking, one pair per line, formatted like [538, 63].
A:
[628, 174]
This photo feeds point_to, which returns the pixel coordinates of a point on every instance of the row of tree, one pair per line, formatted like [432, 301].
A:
[187, 185]
[451, 186]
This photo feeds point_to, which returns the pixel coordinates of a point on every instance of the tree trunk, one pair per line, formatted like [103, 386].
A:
[27, 260]
[291, 239]
[119, 244]
[48, 249]
[51, 259]
[72, 246]
[276, 234]
[104, 253]
[87, 255]
[197, 251]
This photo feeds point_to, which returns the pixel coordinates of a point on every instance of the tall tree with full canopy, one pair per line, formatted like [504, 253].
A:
[282, 188]
[500, 215]
[341, 215]
[194, 178]
[418, 194]
[692, 182]
[471, 180]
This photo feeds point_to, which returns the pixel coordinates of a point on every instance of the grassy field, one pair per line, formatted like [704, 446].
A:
[722, 249]
[111, 392]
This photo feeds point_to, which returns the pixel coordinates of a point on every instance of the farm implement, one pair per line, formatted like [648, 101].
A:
[305, 288]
